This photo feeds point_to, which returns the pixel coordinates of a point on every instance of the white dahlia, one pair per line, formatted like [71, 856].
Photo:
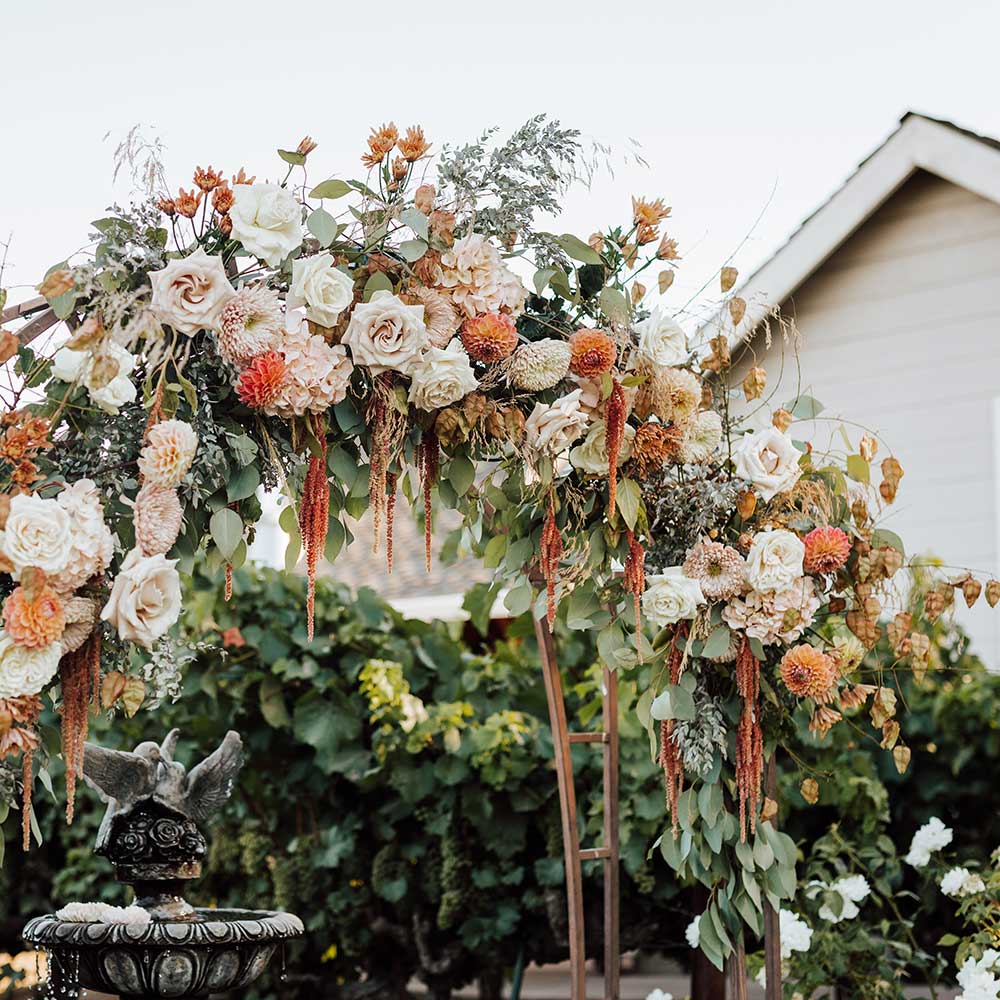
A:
[539, 365]
[157, 518]
[251, 324]
[91, 542]
[168, 453]
[25, 671]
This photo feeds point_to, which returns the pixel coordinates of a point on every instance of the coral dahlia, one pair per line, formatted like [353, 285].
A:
[808, 672]
[490, 337]
[34, 623]
[592, 353]
[827, 549]
[260, 382]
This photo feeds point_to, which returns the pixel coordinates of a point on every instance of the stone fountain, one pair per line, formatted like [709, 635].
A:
[152, 834]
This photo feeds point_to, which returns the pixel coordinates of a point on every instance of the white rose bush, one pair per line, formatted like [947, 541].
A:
[409, 332]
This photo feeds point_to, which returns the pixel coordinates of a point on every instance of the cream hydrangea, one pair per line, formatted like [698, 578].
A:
[317, 375]
[168, 453]
[591, 455]
[478, 280]
[780, 617]
[145, 598]
[442, 377]
[671, 597]
[768, 459]
[323, 289]
[189, 293]
[25, 671]
[552, 427]
[91, 542]
[386, 334]
[267, 220]
[38, 534]
[662, 341]
[775, 559]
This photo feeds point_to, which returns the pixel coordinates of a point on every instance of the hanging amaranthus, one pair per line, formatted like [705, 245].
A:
[427, 461]
[749, 738]
[634, 579]
[77, 677]
[314, 516]
[615, 419]
[229, 582]
[390, 514]
[378, 470]
[27, 773]
[670, 754]
[550, 556]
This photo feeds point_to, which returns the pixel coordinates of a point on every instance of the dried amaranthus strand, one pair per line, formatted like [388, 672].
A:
[634, 579]
[390, 514]
[428, 463]
[378, 420]
[670, 756]
[749, 739]
[27, 764]
[314, 515]
[229, 582]
[550, 557]
[615, 418]
[76, 680]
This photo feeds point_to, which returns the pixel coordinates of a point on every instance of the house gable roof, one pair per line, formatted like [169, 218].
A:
[939, 147]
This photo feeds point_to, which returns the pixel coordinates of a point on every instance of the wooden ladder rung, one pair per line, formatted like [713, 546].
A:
[595, 853]
[589, 738]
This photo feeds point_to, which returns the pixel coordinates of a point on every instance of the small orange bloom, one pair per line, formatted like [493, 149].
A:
[261, 380]
[222, 198]
[380, 143]
[241, 178]
[167, 206]
[592, 353]
[413, 145]
[400, 168]
[490, 337]
[306, 146]
[209, 179]
[648, 213]
[809, 673]
[233, 638]
[34, 623]
[187, 202]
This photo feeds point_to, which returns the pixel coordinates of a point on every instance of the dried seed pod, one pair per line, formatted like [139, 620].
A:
[993, 593]
[971, 589]
[727, 278]
[810, 790]
[754, 383]
[782, 419]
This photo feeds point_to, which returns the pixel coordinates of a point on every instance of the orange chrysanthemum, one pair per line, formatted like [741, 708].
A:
[827, 549]
[808, 672]
[648, 213]
[208, 179]
[187, 202]
[488, 338]
[222, 198]
[241, 178]
[653, 446]
[413, 145]
[592, 353]
[260, 382]
[380, 142]
[34, 623]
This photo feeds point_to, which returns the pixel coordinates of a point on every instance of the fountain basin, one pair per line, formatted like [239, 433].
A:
[218, 950]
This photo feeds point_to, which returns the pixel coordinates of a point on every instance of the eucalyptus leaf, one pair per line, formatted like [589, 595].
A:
[226, 527]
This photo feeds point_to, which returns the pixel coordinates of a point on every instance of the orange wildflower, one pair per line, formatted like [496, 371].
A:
[413, 145]
[380, 143]
[208, 179]
[187, 202]
[808, 672]
[648, 213]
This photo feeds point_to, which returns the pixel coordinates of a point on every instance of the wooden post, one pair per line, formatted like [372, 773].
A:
[612, 947]
[737, 969]
[772, 925]
[707, 982]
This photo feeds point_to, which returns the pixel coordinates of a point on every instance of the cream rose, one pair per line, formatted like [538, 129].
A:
[774, 561]
[591, 455]
[190, 293]
[662, 341]
[442, 377]
[145, 598]
[769, 460]
[671, 597]
[267, 220]
[26, 671]
[387, 334]
[553, 427]
[38, 534]
[323, 289]
[72, 366]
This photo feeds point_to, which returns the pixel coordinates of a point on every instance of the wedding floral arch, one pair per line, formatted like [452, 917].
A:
[346, 341]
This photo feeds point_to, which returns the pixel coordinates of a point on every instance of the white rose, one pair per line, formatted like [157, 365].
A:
[26, 671]
[591, 456]
[553, 427]
[769, 460]
[442, 377]
[71, 366]
[662, 340]
[190, 293]
[387, 334]
[38, 534]
[323, 289]
[774, 561]
[267, 220]
[68, 365]
[145, 598]
[115, 394]
[671, 597]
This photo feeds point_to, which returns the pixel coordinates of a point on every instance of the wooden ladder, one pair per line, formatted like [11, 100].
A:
[574, 854]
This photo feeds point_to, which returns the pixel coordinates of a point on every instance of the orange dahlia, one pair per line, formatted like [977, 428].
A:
[592, 353]
[34, 623]
[808, 672]
[260, 382]
[827, 549]
[490, 337]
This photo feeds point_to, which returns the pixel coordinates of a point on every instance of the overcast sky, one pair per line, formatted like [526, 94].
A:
[740, 108]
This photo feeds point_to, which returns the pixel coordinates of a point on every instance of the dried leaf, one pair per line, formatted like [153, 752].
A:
[868, 447]
[132, 695]
[112, 688]
[920, 646]
[892, 472]
[720, 359]
[883, 706]
[890, 735]
[737, 310]
[769, 810]
[754, 383]
[901, 757]
[596, 242]
[8, 346]
[665, 280]
[57, 283]
[933, 605]
[810, 790]
[728, 278]
[746, 504]
[474, 406]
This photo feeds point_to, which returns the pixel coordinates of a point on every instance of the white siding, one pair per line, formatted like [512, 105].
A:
[901, 332]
